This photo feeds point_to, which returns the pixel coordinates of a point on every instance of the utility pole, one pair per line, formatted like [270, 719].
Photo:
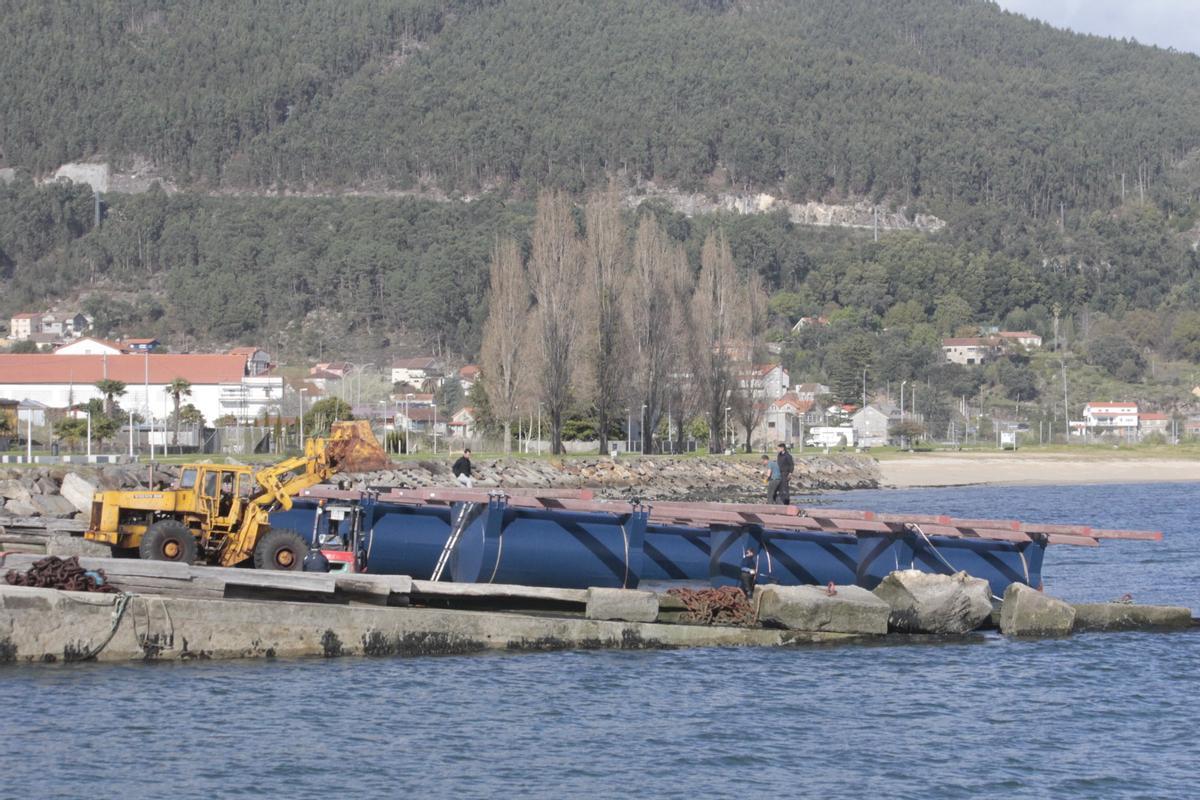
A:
[1066, 407]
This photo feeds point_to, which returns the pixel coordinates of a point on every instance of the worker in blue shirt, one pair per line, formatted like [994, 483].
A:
[773, 478]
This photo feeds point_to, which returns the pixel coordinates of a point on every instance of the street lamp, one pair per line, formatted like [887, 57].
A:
[628, 430]
[670, 430]
[407, 423]
[902, 385]
[434, 428]
[383, 413]
[727, 436]
[643, 429]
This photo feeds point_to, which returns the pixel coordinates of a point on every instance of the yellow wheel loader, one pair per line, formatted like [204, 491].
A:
[220, 513]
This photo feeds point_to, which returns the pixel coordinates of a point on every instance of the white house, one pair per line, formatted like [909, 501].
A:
[1026, 339]
[811, 391]
[421, 419]
[467, 377]
[766, 382]
[462, 424]
[24, 326]
[784, 420]
[970, 350]
[64, 324]
[871, 426]
[219, 384]
[91, 346]
[416, 371]
[1118, 418]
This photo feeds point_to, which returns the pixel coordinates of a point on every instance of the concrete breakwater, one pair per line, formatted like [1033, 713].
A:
[64, 492]
[172, 611]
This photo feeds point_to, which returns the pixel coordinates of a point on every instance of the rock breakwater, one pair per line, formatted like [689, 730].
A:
[65, 492]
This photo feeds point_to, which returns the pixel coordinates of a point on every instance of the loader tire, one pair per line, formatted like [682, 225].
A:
[281, 549]
[168, 540]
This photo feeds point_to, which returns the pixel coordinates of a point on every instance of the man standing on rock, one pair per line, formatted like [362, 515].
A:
[772, 468]
[786, 465]
[462, 469]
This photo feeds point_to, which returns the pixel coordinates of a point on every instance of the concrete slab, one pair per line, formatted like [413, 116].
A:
[45, 625]
[811, 608]
[1028, 612]
[630, 605]
[1130, 617]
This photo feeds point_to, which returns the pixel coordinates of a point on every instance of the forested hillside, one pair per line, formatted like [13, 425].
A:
[945, 102]
[1066, 166]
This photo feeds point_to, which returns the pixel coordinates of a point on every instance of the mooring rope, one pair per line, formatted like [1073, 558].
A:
[916, 527]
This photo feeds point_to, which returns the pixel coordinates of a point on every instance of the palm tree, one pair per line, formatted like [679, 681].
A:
[111, 390]
[178, 389]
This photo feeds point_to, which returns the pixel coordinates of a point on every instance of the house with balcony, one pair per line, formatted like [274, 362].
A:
[1119, 419]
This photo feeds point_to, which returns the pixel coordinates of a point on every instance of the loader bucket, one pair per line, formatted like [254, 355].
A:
[354, 448]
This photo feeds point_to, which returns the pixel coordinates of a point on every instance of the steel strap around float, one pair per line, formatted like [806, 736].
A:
[913, 526]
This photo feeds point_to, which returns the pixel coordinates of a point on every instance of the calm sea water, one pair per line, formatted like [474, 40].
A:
[1094, 716]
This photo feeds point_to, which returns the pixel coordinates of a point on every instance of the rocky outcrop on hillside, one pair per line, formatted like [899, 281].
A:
[860, 214]
[66, 492]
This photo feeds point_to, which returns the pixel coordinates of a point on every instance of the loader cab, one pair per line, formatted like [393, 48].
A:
[220, 493]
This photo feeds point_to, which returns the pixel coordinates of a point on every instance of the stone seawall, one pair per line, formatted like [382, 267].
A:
[65, 492]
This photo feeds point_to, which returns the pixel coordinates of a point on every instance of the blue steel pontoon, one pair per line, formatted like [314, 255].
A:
[568, 540]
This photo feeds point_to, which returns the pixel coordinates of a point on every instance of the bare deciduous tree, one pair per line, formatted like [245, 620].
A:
[750, 400]
[606, 265]
[503, 368]
[654, 310]
[719, 327]
[555, 269]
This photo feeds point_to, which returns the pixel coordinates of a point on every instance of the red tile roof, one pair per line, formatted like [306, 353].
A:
[51, 368]
[27, 315]
[1154, 417]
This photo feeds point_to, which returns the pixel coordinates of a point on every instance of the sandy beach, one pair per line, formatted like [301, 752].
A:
[1017, 469]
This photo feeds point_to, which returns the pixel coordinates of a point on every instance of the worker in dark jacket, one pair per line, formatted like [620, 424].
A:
[462, 469]
[786, 465]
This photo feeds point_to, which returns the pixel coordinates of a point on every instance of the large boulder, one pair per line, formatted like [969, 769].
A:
[1129, 617]
[13, 489]
[630, 605]
[1028, 612]
[78, 491]
[922, 602]
[21, 508]
[851, 609]
[54, 505]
